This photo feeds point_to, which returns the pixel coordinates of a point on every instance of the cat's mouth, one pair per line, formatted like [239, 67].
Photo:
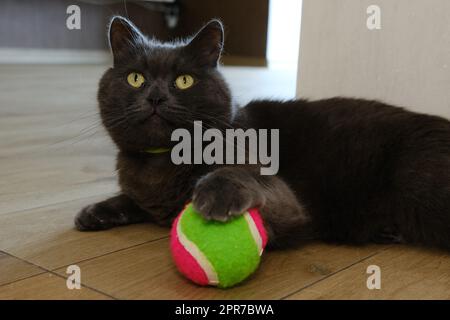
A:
[154, 116]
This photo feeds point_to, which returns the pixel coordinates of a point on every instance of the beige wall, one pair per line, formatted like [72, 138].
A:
[407, 62]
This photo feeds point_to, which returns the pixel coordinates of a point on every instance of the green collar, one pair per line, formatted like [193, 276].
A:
[157, 150]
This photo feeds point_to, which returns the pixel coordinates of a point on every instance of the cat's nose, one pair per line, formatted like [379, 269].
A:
[156, 100]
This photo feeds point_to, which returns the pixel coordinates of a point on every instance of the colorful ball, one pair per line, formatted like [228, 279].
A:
[217, 253]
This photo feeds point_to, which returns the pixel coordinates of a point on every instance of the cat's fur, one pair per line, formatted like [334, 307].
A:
[351, 170]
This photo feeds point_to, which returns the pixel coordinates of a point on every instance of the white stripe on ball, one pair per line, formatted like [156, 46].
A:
[195, 252]
[254, 231]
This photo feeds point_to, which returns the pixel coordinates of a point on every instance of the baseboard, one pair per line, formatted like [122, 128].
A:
[243, 61]
[53, 56]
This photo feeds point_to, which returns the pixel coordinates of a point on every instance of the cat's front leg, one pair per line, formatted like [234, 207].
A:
[230, 191]
[116, 211]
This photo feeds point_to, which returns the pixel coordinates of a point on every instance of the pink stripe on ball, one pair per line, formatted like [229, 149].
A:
[254, 213]
[186, 264]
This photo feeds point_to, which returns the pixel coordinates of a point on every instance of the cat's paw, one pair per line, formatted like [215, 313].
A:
[99, 217]
[219, 197]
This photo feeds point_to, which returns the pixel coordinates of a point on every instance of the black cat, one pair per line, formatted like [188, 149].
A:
[351, 170]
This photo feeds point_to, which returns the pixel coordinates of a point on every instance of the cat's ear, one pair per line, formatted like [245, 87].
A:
[206, 46]
[123, 36]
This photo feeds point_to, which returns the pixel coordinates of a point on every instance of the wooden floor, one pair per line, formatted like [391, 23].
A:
[55, 159]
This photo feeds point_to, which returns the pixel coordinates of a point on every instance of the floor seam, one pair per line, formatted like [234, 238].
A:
[112, 252]
[53, 204]
[334, 273]
[55, 274]
[42, 270]
[53, 270]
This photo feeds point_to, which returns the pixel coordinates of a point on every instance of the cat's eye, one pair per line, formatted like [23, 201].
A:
[184, 82]
[135, 79]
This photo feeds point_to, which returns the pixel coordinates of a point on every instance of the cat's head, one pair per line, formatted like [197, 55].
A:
[157, 87]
